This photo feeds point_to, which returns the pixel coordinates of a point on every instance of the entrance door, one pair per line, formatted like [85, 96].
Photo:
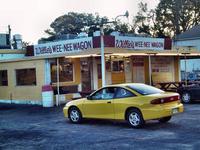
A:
[86, 74]
[118, 75]
[138, 69]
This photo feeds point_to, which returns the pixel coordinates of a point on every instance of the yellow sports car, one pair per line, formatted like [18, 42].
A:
[134, 102]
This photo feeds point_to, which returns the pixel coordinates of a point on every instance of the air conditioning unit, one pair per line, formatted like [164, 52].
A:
[82, 34]
[115, 33]
[17, 38]
[96, 33]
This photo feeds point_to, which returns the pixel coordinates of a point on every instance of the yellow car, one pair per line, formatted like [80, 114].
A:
[134, 102]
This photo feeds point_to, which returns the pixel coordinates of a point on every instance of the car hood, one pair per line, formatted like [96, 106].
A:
[75, 102]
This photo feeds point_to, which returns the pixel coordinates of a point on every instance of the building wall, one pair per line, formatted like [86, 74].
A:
[33, 93]
[168, 70]
[26, 93]
[128, 71]
[10, 56]
[95, 74]
[138, 71]
[177, 69]
[192, 64]
[146, 70]
[195, 43]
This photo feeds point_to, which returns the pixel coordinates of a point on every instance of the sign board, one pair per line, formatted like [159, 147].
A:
[63, 47]
[162, 69]
[139, 43]
[162, 64]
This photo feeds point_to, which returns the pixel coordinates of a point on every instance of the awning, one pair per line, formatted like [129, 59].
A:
[113, 52]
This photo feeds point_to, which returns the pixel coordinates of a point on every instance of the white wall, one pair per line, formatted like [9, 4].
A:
[47, 72]
[10, 56]
[195, 43]
[191, 63]
[128, 71]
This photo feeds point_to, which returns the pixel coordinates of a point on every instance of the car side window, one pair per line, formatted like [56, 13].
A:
[123, 93]
[104, 94]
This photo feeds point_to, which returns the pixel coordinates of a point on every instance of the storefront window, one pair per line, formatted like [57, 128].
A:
[26, 76]
[65, 71]
[86, 73]
[3, 78]
[118, 66]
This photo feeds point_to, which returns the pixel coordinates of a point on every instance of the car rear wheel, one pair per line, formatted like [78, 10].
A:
[165, 119]
[186, 98]
[75, 115]
[135, 118]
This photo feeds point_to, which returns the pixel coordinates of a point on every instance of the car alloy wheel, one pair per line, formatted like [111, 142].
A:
[186, 98]
[75, 115]
[135, 118]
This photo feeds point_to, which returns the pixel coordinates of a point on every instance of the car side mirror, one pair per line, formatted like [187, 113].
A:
[89, 97]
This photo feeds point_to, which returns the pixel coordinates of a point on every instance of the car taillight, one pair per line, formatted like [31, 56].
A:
[165, 100]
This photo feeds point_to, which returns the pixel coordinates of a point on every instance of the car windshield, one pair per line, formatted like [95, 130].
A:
[144, 89]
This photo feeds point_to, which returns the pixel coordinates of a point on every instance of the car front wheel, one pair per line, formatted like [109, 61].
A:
[75, 115]
[135, 118]
[186, 98]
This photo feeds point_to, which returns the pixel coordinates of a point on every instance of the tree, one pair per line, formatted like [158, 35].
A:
[176, 16]
[169, 18]
[74, 23]
[144, 20]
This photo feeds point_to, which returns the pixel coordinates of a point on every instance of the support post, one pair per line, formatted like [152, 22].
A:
[150, 71]
[102, 57]
[58, 83]
[185, 70]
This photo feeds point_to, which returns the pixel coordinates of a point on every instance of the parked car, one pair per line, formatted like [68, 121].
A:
[189, 93]
[132, 102]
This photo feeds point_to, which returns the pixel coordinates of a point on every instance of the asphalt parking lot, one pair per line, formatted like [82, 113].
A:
[37, 128]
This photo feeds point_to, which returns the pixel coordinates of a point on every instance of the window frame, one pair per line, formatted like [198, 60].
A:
[6, 77]
[101, 90]
[133, 95]
[158, 91]
[73, 72]
[16, 81]
[118, 65]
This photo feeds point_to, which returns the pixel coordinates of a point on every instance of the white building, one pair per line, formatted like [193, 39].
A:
[189, 39]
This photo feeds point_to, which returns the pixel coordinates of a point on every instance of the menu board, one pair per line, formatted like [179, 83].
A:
[161, 64]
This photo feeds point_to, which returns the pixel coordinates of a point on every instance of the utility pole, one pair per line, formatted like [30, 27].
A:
[9, 33]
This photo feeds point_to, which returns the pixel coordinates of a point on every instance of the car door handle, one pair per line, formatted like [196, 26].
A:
[109, 102]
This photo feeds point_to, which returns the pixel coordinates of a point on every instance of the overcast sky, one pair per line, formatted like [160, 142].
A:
[31, 17]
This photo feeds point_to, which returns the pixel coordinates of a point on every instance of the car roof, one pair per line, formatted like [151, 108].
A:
[124, 84]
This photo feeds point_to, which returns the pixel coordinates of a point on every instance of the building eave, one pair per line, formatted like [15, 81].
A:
[109, 51]
[12, 51]
[186, 39]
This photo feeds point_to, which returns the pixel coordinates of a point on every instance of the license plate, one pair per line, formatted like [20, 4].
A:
[174, 110]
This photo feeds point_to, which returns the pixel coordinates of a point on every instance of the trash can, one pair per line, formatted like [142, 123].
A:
[47, 96]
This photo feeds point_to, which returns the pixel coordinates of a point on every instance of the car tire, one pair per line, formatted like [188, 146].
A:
[186, 98]
[75, 115]
[135, 118]
[165, 119]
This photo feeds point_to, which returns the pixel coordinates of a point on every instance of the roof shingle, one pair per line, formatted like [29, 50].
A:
[192, 33]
